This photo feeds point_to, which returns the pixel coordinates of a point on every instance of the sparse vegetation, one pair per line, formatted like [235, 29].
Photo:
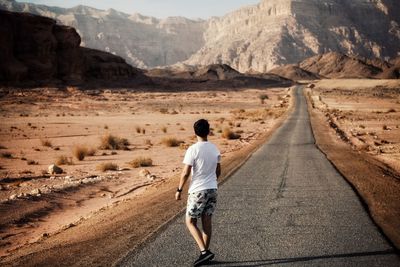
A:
[392, 110]
[32, 162]
[138, 129]
[108, 166]
[46, 142]
[111, 142]
[263, 97]
[91, 151]
[227, 133]
[164, 129]
[80, 152]
[6, 155]
[148, 142]
[171, 142]
[141, 162]
[63, 160]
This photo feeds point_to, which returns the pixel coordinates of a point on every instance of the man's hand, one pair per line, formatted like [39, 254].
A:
[178, 195]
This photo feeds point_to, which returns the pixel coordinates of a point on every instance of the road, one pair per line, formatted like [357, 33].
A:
[286, 206]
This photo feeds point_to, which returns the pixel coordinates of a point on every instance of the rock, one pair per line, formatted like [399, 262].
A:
[36, 50]
[337, 65]
[36, 192]
[136, 39]
[280, 32]
[13, 197]
[54, 169]
[143, 173]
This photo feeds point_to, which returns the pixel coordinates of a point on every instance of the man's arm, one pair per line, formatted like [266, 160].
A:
[218, 170]
[184, 177]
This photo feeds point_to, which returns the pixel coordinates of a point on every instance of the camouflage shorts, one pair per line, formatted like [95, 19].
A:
[201, 202]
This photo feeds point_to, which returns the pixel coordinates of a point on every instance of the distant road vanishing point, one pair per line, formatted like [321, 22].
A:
[286, 206]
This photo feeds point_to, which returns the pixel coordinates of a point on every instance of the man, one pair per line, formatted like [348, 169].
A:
[203, 161]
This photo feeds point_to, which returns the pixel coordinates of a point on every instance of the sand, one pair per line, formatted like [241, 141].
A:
[35, 206]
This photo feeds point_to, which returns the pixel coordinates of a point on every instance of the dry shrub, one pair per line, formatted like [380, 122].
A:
[64, 160]
[141, 162]
[107, 166]
[148, 142]
[143, 131]
[171, 142]
[6, 155]
[138, 129]
[32, 162]
[91, 151]
[263, 97]
[392, 110]
[80, 152]
[227, 133]
[164, 129]
[46, 142]
[111, 142]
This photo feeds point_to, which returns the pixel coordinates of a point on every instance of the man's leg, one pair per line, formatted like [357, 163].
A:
[206, 221]
[191, 224]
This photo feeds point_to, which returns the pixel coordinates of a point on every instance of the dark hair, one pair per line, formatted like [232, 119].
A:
[201, 128]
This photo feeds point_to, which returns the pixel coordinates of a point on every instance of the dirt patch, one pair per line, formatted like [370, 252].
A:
[333, 112]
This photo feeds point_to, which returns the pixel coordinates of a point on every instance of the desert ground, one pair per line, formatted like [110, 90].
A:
[112, 146]
[357, 125]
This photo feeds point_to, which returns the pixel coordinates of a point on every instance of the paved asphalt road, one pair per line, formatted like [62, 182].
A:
[286, 206]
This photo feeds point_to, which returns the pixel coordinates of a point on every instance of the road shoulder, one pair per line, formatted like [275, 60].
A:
[377, 185]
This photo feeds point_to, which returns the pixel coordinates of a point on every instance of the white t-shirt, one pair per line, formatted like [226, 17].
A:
[203, 157]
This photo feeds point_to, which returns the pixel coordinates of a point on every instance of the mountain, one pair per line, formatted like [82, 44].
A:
[294, 72]
[254, 38]
[279, 32]
[34, 50]
[143, 41]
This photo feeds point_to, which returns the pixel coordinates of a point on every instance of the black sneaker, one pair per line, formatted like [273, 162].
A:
[204, 258]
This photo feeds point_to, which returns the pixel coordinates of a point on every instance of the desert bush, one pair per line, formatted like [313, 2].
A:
[227, 133]
[111, 142]
[108, 166]
[141, 162]
[106, 127]
[385, 127]
[148, 142]
[114, 153]
[171, 141]
[80, 152]
[392, 110]
[91, 151]
[32, 162]
[143, 131]
[6, 155]
[138, 129]
[263, 97]
[164, 129]
[63, 160]
[46, 142]
[362, 126]
[163, 110]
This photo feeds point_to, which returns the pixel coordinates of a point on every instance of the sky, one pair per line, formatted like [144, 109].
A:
[158, 8]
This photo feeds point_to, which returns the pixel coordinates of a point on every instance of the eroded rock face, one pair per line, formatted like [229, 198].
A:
[143, 41]
[279, 32]
[36, 49]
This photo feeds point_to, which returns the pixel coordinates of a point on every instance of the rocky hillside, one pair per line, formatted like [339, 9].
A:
[255, 38]
[279, 32]
[142, 41]
[37, 51]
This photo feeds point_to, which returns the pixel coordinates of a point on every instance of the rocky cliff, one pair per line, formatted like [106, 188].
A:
[142, 41]
[255, 38]
[35, 49]
[278, 32]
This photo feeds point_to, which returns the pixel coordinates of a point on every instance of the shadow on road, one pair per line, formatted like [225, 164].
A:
[300, 259]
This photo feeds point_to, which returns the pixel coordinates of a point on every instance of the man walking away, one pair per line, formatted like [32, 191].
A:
[203, 161]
